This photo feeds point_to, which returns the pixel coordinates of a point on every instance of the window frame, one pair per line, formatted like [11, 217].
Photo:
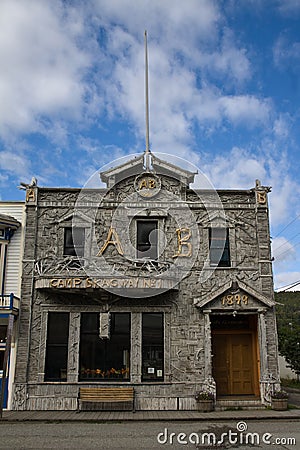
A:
[75, 245]
[139, 255]
[152, 377]
[224, 260]
[59, 345]
[103, 373]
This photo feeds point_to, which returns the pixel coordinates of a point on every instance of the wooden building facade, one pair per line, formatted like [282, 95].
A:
[150, 284]
[12, 215]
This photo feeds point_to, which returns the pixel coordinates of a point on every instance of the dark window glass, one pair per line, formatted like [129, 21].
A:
[74, 241]
[152, 347]
[219, 247]
[57, 347]
[147, 239]
[105, 359]
[1, 359]
[3, 331]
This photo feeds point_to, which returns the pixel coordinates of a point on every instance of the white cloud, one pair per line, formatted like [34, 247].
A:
[42, 65]
[48, 53]
[285, 190]
[15, 164]
[238, 169]
[286, 52]
[284, 279]
[245, 109]
[282, 250]
[229, 59]
[288, 7]
[281, 127]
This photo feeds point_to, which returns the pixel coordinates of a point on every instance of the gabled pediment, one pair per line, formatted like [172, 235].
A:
[76, 218]
[136, 166]
[132, 167]
[218, 219]
[233, 295]
[167, 168]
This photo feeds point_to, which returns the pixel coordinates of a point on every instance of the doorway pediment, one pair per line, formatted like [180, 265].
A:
[233, 295]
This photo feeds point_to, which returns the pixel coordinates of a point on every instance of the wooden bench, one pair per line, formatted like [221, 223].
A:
[106, 399]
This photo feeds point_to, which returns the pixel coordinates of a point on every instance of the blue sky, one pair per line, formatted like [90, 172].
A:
[224, 95]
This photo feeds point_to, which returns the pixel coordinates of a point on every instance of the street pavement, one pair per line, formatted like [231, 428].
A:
[224, 434]
[261, 429]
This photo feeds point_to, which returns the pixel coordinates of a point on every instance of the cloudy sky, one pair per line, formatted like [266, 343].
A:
[224, 94]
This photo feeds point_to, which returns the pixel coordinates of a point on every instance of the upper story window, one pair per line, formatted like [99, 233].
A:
[219, 251]
[74, 241]
[147, 237]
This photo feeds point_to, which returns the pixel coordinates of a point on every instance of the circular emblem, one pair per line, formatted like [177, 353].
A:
[147, 185]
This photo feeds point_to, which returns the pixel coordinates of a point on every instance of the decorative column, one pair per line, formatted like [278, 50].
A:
[263, 238]
[209, 382]
[136, 348]
[43, 340]
[73, 344]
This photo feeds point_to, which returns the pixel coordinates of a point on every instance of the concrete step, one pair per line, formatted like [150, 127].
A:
[238, 404]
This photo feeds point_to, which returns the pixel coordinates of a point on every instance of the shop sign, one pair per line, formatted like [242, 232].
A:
[104, 283]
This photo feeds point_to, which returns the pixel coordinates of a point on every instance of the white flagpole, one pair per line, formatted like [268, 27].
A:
[147, 161]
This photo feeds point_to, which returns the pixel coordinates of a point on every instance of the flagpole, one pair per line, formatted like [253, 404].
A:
[147, 159]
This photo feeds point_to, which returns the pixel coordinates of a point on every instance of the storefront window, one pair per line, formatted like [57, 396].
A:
[106, 359]
[57, 347]
[152, 347]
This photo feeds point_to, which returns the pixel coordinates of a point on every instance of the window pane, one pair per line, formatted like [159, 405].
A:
[219, 247]
[3, 330]
[57, 347]
[147, 239]
[74, 241]
[1, 359]
[152, 347]
[105, 359]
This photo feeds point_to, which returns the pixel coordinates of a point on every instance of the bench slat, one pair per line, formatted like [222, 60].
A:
[99, 397]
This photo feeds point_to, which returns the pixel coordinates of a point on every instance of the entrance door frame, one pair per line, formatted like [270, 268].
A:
[255, 353]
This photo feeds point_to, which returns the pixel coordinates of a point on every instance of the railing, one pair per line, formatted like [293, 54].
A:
[9, 302]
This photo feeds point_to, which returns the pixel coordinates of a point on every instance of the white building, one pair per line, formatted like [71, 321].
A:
[12, 215]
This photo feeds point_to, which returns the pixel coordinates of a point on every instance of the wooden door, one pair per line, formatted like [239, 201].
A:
[234, 364]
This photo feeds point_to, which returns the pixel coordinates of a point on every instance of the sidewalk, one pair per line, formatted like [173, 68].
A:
[125, 416]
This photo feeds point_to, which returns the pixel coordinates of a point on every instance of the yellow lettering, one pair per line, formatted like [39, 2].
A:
[69, 282]
[113, 239]
[60, 283]
[147, 283]
[76, 282]
[53, 282]
[151, 183]
[114, 283]
[183, 242]
[143, 184]
[30, 195]
[245, 299]
[261, 197]
[88, 283]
